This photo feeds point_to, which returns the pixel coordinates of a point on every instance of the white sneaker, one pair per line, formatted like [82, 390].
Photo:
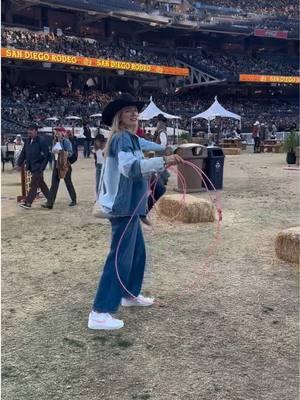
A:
[139, 301]
[104, 321]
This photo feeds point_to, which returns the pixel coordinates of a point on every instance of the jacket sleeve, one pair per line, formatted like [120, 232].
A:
[132, 166]
[67, 146]
[22, 156]
[46, 154]
[146, 145]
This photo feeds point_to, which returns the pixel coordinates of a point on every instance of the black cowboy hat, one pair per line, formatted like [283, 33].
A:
[100, 138]
[125, 100]
[162, 118]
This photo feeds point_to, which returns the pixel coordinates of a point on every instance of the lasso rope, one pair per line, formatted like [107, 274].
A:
[150, 192]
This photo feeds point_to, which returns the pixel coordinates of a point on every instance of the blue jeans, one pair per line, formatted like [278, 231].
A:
[98, 174]
[131, 265]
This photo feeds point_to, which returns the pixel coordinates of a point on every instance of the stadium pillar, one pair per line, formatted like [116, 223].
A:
[78, 23]
[107, 29]
[7, 12]
[44, 17]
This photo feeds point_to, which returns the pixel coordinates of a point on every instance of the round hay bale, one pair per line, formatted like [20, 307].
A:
[287, 245]
[192, 210]
[232, 151]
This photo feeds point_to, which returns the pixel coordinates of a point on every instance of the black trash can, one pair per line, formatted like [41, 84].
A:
[213, 168]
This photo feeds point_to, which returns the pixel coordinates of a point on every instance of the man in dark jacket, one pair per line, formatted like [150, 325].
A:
[36, 155]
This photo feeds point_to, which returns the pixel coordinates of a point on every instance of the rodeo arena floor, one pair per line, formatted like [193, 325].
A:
[225, 323]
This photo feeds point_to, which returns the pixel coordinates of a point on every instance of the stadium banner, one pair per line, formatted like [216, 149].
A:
[269, 78]
[39, 56]
[269, 33]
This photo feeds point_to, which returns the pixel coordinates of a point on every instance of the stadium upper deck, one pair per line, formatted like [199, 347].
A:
[211, 15]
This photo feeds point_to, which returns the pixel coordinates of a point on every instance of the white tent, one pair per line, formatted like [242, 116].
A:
[152, 111]
[216, 110]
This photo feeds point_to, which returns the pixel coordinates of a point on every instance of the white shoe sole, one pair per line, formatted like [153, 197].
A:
[98, 327]
[142, 304]
[24, 207]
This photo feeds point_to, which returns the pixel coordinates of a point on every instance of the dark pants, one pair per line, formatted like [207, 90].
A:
[130, 265]
[158, 189]
[256, 145]
[98, 174]
[86, 148]
[55, 184]
[37, 181]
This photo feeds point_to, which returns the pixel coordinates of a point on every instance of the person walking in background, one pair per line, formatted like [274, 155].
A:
[61, 142]
[87, 141]
[69, 135]
[99, 144]
[274, 129]
[35, 153]
[262, 133]
[140, 131]
[256, 136]
[18, 146]
[160, 135]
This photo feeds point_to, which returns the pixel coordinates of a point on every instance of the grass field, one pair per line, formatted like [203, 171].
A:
[225, 331]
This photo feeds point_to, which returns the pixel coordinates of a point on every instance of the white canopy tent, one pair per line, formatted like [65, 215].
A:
[216, 110]
[152, 111]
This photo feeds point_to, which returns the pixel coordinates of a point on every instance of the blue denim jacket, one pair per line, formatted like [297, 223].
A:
[124, 183]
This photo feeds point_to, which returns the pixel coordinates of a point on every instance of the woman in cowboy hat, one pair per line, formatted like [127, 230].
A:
[123, 198]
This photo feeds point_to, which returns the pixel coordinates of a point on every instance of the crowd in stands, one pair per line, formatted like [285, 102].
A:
[218, 64]
[283, 8]
[40, 41]
[29, 104]
[225, 65]
[288, 8]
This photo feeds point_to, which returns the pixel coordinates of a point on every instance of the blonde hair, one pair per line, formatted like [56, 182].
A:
[116, 128]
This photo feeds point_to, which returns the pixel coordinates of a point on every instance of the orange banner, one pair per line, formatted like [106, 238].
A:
[28, 55]
[269, 78]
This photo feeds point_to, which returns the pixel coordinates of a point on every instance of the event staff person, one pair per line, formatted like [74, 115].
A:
[61, 142]
[87, 141]
[123, 198]
[35, 153]
[160, 135]
[256, 136]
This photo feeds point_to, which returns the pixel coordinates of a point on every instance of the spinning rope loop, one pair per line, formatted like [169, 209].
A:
[150, 192]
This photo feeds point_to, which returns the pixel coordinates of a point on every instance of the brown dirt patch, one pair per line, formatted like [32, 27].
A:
[228, 333]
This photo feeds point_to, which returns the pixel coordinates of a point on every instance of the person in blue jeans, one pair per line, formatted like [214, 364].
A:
[123, 198]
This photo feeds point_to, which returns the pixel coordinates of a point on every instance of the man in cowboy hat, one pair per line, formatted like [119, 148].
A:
[36, 154]
[256, 136]
[160, 135]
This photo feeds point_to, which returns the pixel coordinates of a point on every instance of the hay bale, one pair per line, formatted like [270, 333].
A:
[287, 245]
[193, 209]
[232, 151]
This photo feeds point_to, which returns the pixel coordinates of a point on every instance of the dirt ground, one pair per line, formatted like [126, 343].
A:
[226, 331]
